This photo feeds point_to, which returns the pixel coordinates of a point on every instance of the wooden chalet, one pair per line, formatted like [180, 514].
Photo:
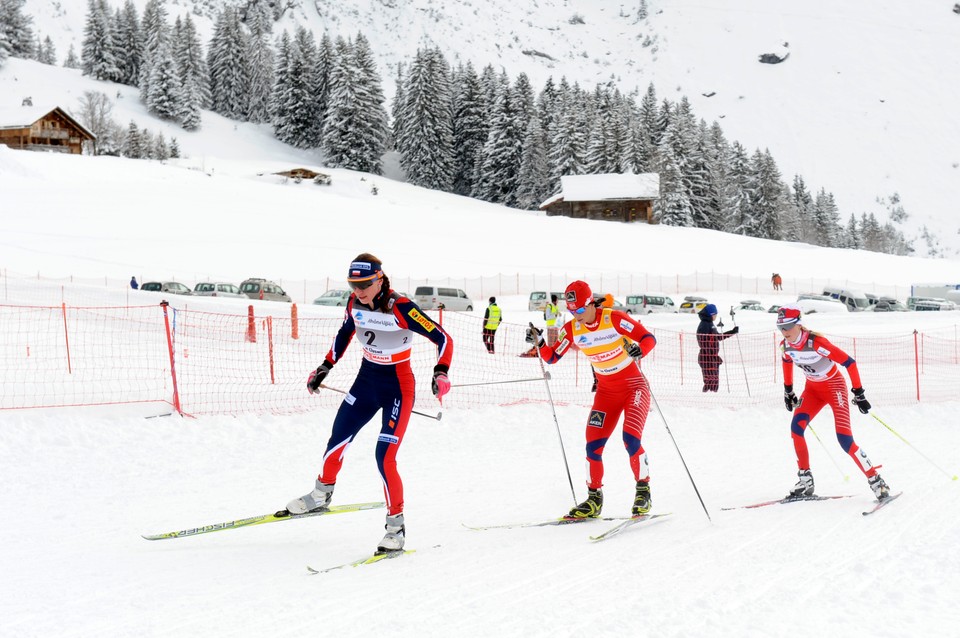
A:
[299, 174]
[42, 129]
[611, 196]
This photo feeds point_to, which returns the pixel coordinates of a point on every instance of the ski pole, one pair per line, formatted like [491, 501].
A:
[733, 317]
[846, 477]
[675, 446]
[556, 422]
[429, 416]
[464, 385]
[952, 478]
[723, 346]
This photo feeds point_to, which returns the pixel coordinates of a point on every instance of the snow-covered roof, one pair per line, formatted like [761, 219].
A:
[22, 116]
[592, 188]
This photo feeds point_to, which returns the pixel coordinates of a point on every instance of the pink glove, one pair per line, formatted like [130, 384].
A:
[441, 383]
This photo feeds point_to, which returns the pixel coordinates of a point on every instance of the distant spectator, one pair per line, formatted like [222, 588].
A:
[491, 321]
[133, 283]
[777, 281]
[709, 338]
[550, 314]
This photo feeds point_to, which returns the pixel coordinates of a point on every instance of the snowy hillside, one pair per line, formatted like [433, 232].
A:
[862, 107]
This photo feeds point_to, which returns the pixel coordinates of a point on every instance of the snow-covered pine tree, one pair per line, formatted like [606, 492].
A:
[228, 67]
[566, 140]
[71, 61]
[174, 148]
[533, 180]
[155, 33]
[129, 42]
[321, 85]
[426, 133]
[827, 216]
[648, 133]
[674, 207]
[279, 113]
[132, 145]
[469, 128]
[397, 110]
[47, 53]
[261, 58]
[192, 70]
[736, 205]
[502, 151]
[354, 131]
[706, 172]
[165, 95]
[767, 196]
[803, 203]
[97, 57]
[16, 34]
[296, 114]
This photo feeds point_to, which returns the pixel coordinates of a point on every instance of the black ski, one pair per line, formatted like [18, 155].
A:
[782, 501]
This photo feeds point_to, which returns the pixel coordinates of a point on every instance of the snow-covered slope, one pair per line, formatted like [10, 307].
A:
[864, 106]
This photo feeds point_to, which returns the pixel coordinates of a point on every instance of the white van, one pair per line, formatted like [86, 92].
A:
[430, 298]
[647, 304]
[855, 300]
[539, 299]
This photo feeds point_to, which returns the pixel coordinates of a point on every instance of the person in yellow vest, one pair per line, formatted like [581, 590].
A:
[613, 342]
[491, 321]
[551, 314]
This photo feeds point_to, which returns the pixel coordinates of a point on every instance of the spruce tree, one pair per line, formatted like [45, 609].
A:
[155, 33]
[165, 95]
[16, 34]
[469, 128]
[502, 151]
[426, 135]
[47, 53]
[132, 147]
[97, 53]
[229, 67]
[533, 179]
[261, 58]
[567, 145]
[71, 61]
[129, 42]
[192, 71]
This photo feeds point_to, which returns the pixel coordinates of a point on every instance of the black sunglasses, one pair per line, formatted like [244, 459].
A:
[361, 285]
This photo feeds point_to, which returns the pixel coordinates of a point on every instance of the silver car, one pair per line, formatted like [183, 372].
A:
[257, 288]
[173, 287]
[217, 289]
[333, 298]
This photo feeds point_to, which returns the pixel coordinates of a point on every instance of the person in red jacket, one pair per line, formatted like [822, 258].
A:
[613, 342]
[385, 323]
[817, 358]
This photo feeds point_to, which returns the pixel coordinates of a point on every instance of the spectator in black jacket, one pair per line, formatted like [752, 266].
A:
[709, 338]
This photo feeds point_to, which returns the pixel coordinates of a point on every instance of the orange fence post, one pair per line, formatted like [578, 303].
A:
[270, 342]
[251, 326]
[66, 337]
[173, 369]
[294, 323]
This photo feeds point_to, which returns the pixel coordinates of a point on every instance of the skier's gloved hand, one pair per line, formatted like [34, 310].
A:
[732, 331]
[789, 398]
[441, 382]
[317, 376]
[860, 400]
[593, 388]
[633, 349]
[534, 337]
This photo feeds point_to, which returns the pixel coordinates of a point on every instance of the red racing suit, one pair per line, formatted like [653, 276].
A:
[621, 387]
[817, 358]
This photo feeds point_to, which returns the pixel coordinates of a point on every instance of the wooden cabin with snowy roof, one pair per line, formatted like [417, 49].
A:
[610, 196]
[42, 128]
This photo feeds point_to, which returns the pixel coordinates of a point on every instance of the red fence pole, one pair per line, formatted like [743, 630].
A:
[270, 342]
[66, 337]
[251, 335]
[173, 369]
[916, 362]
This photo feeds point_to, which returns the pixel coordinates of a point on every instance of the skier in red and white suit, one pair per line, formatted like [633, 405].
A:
[613, 342]
[817, 358]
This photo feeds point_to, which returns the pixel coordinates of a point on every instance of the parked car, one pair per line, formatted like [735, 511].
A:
[774, 308]
[929, 303]
[647, 304]
[749, 304]
[855, 300]
[217, 289]
[333, 298]
[256, 288]
[539, 299]
[693, 304]
[430, 298]
[173, 287]
[888, 304]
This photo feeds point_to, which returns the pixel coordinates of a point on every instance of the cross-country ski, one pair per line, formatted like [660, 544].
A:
[622, 527]
[565, 520]
[878, 505]
[367, 560]
[784, 501]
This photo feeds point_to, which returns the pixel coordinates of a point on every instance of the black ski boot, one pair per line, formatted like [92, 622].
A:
[591, 507]
[643, 501]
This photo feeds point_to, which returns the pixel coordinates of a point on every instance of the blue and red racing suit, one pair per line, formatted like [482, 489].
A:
[621, 387]
[385, 382]
[817, 358]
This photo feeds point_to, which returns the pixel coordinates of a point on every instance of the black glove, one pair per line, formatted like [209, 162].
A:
[633, 349]
[593, 388]
[789, 398]
[441, 382]
[732, 331]
[534, 337]
[317, 376]
[860, 400]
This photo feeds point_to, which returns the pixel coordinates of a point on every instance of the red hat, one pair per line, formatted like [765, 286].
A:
[788, 315]
[577, 296]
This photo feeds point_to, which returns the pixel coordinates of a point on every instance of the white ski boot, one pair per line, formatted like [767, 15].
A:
[804, 486]
[315, 501]
[879, 487]
[393, 539]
